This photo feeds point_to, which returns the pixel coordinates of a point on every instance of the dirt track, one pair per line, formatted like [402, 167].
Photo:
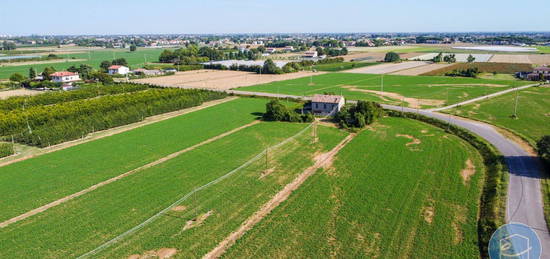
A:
[388, 68]
[420, 70]
[116, 178]
[18, 92]
[220, 79]
[321, 161]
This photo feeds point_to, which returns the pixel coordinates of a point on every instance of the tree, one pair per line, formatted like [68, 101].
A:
[16, 77]
[270, 68]
[8, 45]
[392, 57]
[105, 65]
[133, 47]
[359, 115]
[275, 111]
[320, 51]
[543, 148]
[471, 58]
[47, 72]
[32, 73]
[450, 58]
[438, 58]
[120, 62]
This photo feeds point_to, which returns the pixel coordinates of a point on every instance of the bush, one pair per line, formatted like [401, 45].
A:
[276, 111]
[469, 72]
[359, 115]
[6, 149]
[543, 148]
[392, 57]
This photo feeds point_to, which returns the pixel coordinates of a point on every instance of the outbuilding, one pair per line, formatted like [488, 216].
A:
[327, 105]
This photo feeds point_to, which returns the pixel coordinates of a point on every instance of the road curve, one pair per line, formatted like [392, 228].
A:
[524, 202]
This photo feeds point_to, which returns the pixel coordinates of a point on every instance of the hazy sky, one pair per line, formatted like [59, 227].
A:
[23, 17]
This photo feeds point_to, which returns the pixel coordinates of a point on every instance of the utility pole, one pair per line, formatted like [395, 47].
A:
[382, 84]
[267, 158]
[516, 105]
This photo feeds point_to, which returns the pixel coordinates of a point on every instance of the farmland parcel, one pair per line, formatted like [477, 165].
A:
[373, 202]
[414, 91]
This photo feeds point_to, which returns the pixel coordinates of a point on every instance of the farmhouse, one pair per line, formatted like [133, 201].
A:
[327, 105]
[539, 73]
[270, 50]
[64, 77]
[146, 72]
[118, 70]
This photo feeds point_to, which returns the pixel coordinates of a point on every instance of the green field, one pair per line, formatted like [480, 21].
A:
[544, 49]
[37, 181]
[381, 199]
[533, 112]
[430, 90]
[83, 224]
[334, 67]
[93, 58]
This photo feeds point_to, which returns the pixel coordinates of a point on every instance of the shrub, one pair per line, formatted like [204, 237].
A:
[276, 111]
[6, 149]
[359, 115]
[543, 148]
[392, 57]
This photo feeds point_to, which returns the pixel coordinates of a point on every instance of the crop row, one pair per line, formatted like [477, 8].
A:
[87, 91]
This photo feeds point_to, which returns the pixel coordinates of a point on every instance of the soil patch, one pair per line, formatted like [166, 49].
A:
[414, 141]
[468, 171]
[179, 208]
[267, 172]
[18, 92]
[428, 212]
[161, 253]
[413, 102]
[197, 221]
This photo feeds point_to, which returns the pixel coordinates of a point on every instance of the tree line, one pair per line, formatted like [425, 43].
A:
[46, 125]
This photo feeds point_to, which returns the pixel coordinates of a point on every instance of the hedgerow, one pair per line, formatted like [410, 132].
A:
[52, 124]
[491, 213]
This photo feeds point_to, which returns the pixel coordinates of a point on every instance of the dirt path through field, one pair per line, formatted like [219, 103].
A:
[116, 178]
[18, 92]
[281, 196]
[413, 102]
[110, 132]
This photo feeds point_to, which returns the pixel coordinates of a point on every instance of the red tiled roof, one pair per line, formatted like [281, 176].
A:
[63, 73]
[115, 67]
[320, 98]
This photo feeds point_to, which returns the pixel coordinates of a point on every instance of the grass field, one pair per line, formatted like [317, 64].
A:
[93, 58]
[408, 201]
[417, 91]
[544, 49]
[81, 225]
[334, 67]
[533, 112]
[34, 182]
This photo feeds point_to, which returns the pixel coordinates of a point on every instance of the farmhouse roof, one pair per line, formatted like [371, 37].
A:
[63, 73]
[321, 98]
[114, 67]
[543, 68]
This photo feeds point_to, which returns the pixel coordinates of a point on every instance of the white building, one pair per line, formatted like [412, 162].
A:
[118, 70]
[310, 54]
[327, 105]
[64, 77]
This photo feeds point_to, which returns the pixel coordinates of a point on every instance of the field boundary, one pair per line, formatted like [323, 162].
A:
[279, 198]
[113, 131]
[186, 196]
[118, 177]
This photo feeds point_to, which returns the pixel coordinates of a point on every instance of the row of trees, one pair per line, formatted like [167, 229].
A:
[269, 67]
[331, 52]
[52, 124]
[85, 92]
[8, 45]
[469, 72]
[359, 115]
[276, 111]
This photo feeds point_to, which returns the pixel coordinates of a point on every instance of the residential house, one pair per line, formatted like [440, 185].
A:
[327, 105]
[118, 70]
[539, 73]
[310, 54]
[65, 77]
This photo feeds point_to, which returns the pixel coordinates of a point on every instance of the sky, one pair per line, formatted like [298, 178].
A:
[75, 17]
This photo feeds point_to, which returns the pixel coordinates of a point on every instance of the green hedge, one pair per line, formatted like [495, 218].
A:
[493, 197]
[6, 149]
